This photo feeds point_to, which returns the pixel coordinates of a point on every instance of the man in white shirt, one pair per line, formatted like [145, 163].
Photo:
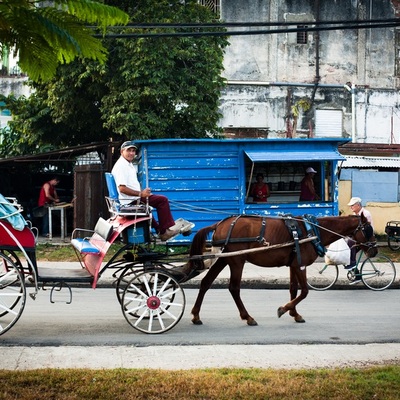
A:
[125, 175]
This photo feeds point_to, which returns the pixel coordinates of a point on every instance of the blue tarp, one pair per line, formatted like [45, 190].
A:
[11, 214]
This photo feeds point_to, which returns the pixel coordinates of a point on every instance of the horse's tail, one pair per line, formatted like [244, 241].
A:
[194, 266]
[199, 240]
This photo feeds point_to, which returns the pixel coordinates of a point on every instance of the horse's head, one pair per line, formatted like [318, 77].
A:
[365, 237]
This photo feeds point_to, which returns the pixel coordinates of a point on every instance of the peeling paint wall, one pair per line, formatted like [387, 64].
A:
[15, 86]
[366, 57]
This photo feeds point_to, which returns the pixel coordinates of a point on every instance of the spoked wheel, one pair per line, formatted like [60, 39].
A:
[378, 273]
[153, 302]
[322, 277]
[12, 293]
[123, 281]
[393, 243]
[127, 275]
[13, 257]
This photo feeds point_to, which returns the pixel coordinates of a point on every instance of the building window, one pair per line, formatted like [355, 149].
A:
[213, 5]
[302, 35]
[328, 123]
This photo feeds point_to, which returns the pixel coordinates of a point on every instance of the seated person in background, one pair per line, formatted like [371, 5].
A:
[260, 190]
[125, 175]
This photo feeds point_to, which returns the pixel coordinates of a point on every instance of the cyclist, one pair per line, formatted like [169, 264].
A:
[355, 204]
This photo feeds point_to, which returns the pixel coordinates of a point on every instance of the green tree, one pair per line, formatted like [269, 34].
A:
[165, 86]
[149, 88]
[59, 113]
[47, 36]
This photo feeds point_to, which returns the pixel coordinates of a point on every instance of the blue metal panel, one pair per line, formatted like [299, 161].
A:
[205, 179]
[375, 186]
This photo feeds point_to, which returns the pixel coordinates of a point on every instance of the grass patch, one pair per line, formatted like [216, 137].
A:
[231, 384]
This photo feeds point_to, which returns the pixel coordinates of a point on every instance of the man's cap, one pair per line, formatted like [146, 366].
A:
[311, 169]
[128, 145]
[354, 200]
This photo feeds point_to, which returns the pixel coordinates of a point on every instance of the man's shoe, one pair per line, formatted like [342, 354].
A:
[350, 266]
[168, 234]
[182, 225]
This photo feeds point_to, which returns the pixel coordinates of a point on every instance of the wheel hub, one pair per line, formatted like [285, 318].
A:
[153, 302]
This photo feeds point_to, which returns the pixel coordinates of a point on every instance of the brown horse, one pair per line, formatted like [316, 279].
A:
[243, 236]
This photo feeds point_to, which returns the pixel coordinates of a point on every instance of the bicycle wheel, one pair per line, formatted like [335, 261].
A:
[393, 243]
[322, 277]
[378, 273]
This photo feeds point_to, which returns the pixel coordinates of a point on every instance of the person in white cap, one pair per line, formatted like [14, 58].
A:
[125, 175]
[307, 188]
[355, 204]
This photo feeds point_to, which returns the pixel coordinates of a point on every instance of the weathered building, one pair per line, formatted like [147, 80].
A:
[350, 77]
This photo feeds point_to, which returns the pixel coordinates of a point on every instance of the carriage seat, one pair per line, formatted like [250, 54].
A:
[114, 205]
[92, 245]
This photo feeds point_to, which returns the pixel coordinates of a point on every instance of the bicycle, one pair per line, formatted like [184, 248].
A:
[376, 273]
[392, 230]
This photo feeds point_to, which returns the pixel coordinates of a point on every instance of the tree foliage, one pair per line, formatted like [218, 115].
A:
[46, 36]
[149, 87]
[165, 87]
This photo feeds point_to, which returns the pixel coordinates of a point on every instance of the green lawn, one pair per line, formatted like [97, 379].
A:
[378, 383]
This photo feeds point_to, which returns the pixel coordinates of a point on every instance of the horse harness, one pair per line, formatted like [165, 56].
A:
[292, 224]
[311, 226]
[260, 238]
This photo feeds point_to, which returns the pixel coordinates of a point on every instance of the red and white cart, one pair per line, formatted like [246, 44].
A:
[148, 283]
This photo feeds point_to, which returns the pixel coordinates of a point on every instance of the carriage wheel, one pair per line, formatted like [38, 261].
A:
[13, 257]
[322, 277]
[126, 276]
[12, 293]
[378, 273]
[153, 302]
[123, 281]
[393, 243]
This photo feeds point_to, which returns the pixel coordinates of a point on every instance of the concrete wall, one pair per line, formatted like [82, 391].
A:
[15, 86]
[381, 212]
[279, 68]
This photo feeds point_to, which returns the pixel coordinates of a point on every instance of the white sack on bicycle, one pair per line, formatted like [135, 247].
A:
[338, 253]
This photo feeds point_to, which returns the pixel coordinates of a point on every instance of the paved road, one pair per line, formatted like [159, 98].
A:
[354, 327]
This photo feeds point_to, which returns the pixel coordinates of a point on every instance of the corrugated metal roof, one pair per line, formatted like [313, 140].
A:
[371, 162]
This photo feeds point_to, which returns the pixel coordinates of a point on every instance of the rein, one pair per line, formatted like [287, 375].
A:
[246, 251]
[359, 227]
[312, 228]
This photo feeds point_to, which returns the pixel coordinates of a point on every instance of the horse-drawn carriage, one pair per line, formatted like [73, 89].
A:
[148, 282]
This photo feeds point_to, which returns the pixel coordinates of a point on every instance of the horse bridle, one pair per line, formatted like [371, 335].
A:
[364, 228]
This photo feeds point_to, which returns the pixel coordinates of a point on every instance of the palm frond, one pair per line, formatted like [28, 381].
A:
[46, 36]
[94, 12]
